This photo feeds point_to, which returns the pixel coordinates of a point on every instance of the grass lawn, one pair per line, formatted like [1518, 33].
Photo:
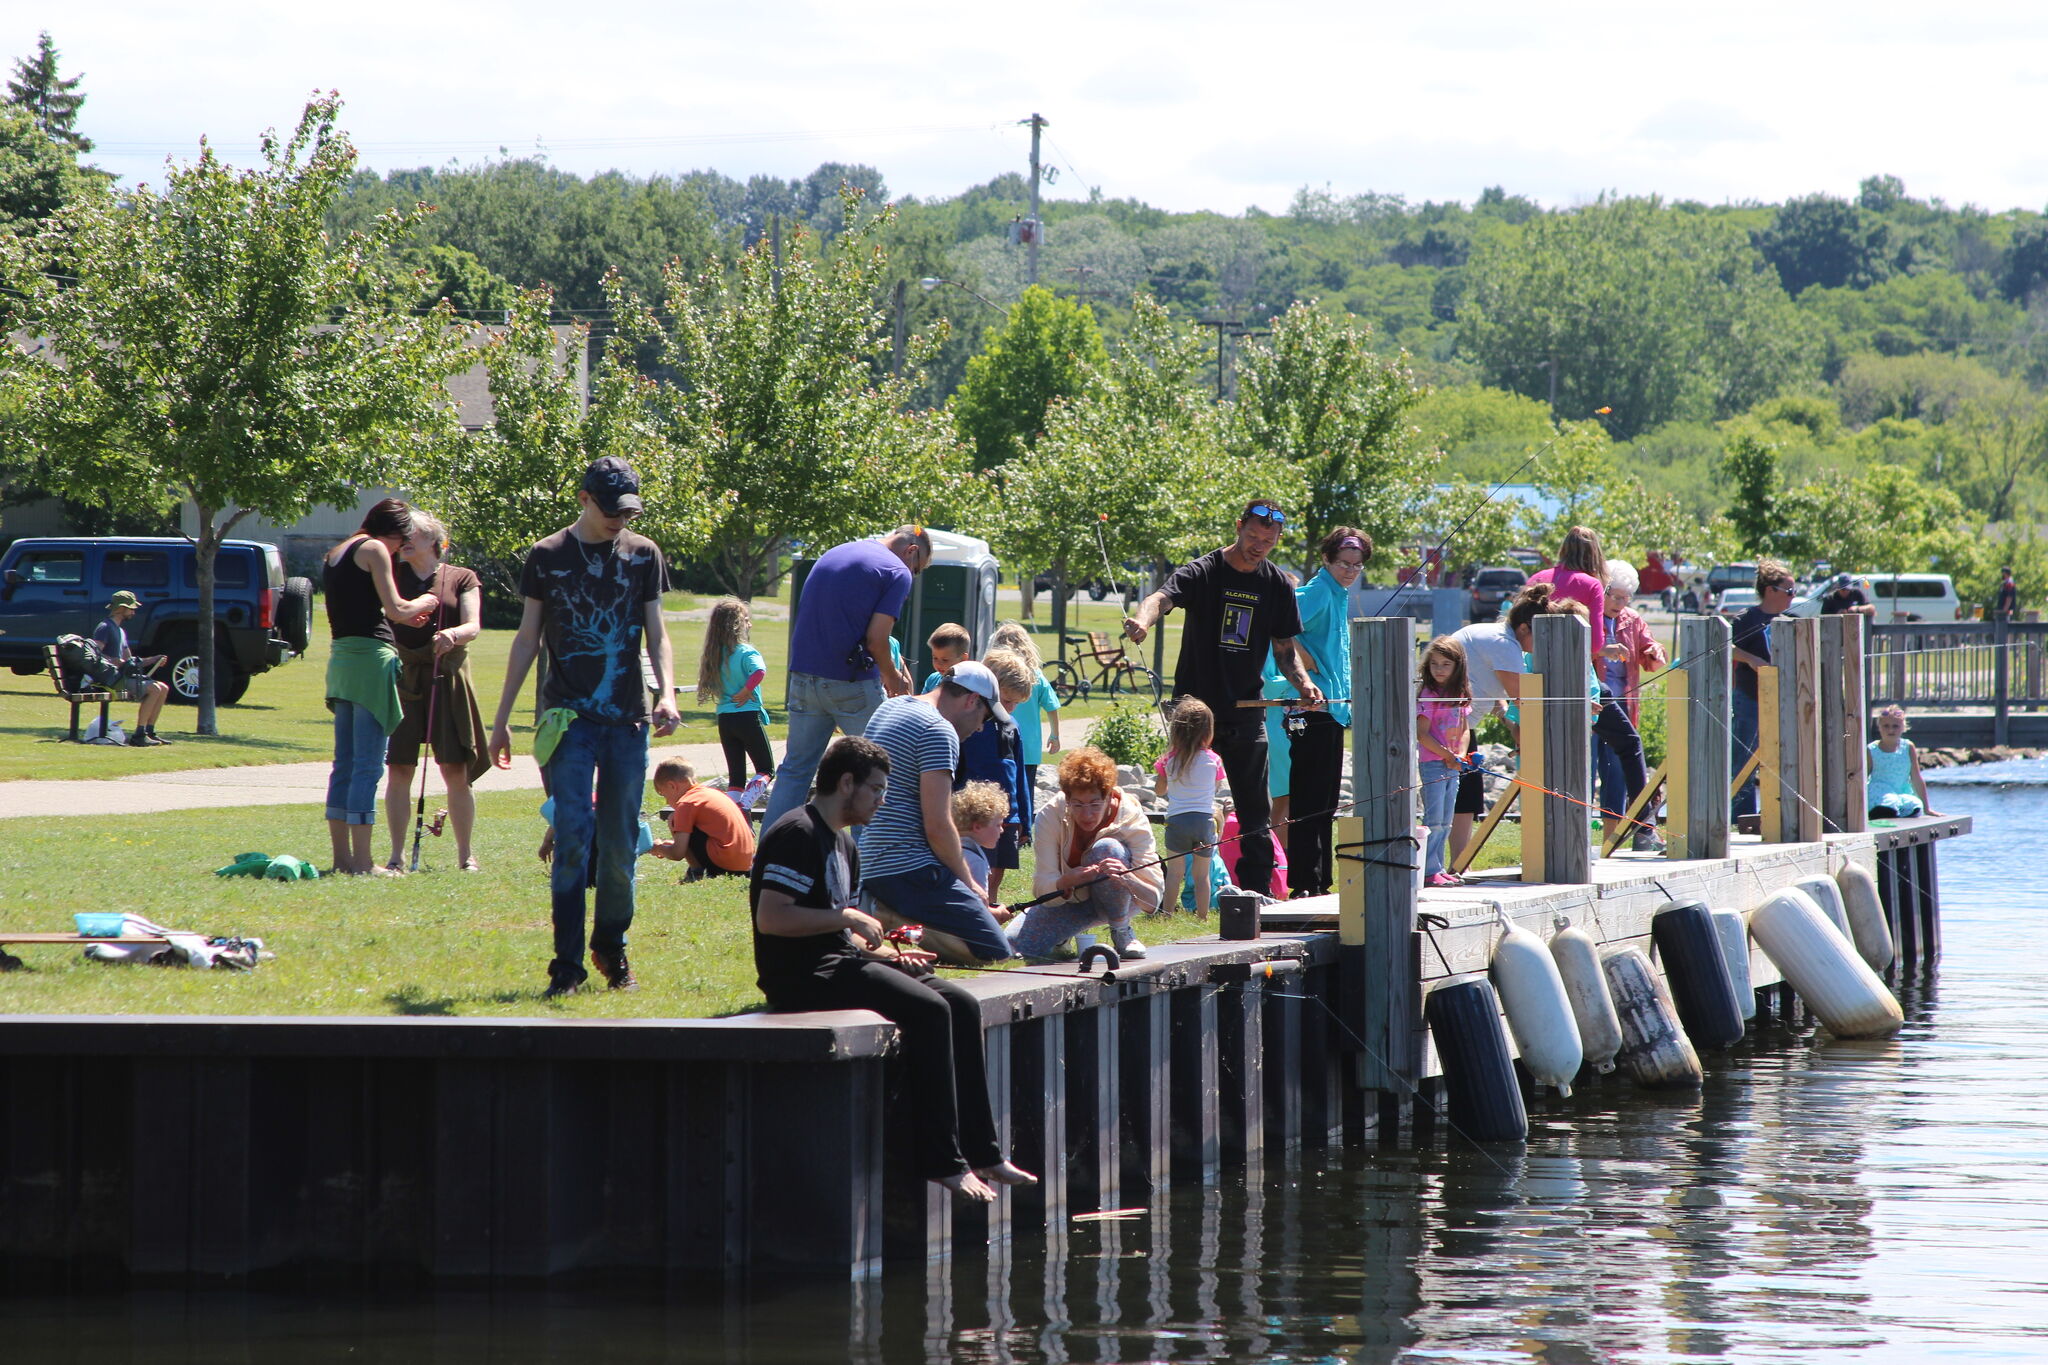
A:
[284, 719]
[436, 943]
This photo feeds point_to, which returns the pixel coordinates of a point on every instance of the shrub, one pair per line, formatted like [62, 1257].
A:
[1129, 732]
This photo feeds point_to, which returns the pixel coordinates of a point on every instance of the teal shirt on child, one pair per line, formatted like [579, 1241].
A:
[740, 665]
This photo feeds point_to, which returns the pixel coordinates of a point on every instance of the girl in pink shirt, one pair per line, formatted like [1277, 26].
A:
[1443, 710]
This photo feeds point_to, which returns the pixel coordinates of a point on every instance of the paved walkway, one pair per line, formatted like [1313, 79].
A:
[289, 784]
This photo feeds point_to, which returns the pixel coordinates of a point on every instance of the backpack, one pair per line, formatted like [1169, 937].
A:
[85, 668]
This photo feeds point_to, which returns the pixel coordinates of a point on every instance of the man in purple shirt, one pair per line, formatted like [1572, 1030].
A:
[839, 665]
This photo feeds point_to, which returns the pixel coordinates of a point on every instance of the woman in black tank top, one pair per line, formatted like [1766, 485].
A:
[362, 674]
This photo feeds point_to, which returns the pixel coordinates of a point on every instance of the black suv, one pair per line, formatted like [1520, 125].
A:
[60, 585]
[1492, 586]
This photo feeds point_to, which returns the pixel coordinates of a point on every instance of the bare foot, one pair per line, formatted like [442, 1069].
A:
[968, 1186]
[1006, 1173]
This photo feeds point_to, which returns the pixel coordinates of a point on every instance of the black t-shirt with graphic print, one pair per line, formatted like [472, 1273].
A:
[818, 867]
[594, 614]
[1232, 620]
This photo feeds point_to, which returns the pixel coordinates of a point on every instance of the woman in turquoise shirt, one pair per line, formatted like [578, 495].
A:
[1317, 776]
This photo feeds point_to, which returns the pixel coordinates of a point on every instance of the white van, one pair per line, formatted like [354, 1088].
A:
[1926, 596]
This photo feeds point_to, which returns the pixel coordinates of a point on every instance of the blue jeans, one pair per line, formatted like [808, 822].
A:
[1613, 783]
[1047, 926]
[614, 757]
[1742, 736]
[817, 707]
[358, 764]
[1439, 794]
[932, 896]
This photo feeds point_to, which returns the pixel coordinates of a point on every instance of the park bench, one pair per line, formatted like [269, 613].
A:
[77, 699]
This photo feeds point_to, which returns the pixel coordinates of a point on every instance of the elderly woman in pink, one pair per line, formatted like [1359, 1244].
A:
[1629, 649]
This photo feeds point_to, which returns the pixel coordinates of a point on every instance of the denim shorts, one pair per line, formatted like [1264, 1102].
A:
[1187, 829]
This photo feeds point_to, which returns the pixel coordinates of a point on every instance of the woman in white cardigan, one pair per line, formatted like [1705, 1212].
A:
[1093, 846]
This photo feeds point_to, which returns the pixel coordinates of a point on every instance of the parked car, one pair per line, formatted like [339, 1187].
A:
[1914, 596]
[1735, 601]
[1722, 577]
[1493, 587]
[52, 586]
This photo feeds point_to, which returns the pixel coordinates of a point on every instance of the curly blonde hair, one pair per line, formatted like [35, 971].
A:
[1012, 636]
[977, 804]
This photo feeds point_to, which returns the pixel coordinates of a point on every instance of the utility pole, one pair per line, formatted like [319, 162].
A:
[1038, 124]
[902, 310]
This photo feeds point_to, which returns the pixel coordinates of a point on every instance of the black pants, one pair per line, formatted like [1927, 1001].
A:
[1315, 784]
[699, 846]
[952, 1126]
[1242, 747]
[744, 735]
[1614, 728]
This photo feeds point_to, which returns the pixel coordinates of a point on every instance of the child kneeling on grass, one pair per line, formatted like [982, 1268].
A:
[708, 829]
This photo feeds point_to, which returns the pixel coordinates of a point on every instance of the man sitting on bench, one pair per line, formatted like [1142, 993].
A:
[135, 684]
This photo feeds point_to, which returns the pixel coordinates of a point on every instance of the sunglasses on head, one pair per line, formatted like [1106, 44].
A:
[1265, 513]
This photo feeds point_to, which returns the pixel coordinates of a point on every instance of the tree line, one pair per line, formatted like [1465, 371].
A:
[808, 358]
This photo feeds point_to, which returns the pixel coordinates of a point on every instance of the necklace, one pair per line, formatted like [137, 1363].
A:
[595, 563]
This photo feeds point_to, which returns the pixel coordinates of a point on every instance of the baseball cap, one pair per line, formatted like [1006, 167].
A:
[977, 678]
[124, 599]
[1842, 580]
[612, 482]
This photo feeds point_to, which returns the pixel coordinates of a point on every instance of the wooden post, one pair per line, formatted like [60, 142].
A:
[1381, 997]
[1845, 735]
[1677, 764]
[1798, 721]
[1529, 768]
[2001, 683]
[1833, 717]
[1561, 655]
[1706, 685]
[1770, 791]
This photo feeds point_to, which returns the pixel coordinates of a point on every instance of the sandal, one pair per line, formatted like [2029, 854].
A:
[470, 864]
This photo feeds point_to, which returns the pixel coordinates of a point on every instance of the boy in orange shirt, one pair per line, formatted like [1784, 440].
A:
[710, 832]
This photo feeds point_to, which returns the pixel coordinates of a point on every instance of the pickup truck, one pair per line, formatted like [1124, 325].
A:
[52, 586]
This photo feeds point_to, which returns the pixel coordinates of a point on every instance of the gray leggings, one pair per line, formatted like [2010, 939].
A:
[1047, 926]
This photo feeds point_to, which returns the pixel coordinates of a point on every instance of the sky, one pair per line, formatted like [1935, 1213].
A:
[1186, 106]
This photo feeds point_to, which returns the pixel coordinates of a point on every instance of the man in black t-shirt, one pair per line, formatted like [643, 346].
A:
[1238, 606]
[815, 950]
[593, 591]
[2006, 604]
[1845, 597]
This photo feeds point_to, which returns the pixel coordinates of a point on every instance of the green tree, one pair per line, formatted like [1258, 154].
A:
[1657, 314]
[2026, 263]
[1826, 241]
[1043, 352]
[515, 481]
[50, 101]
[2000, 439]
[37, 176]
[210, 349]
[1318, 396]
[774, 393]
[1135, 467]
[1750, 466]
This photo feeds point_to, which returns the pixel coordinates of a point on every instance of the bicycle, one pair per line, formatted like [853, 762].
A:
[1115, 673]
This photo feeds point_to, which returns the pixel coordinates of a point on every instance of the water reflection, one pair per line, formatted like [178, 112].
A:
[1875, 1200]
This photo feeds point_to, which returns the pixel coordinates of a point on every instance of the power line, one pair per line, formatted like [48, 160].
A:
[572, 144]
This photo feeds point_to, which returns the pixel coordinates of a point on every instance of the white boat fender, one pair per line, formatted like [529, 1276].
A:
[1828, 897]
[1539, 1012]
[1585, 985]
[1697, 974]
[1732, 928]
[1823, 968]
[1870, 929]
[1654, 1050]
[1485, 1099]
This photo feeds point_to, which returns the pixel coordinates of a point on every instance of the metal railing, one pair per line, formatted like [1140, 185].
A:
[1999, 665]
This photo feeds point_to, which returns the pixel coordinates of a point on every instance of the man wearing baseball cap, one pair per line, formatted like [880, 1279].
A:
[593, 591]
[135, 684]
[910, 856]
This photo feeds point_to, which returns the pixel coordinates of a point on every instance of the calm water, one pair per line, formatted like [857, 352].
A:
[1847, 1201]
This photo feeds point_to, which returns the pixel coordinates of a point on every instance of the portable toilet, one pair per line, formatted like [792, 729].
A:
[958, 585]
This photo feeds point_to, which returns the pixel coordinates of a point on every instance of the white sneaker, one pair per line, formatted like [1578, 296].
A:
[1126, 944]
[746, 796]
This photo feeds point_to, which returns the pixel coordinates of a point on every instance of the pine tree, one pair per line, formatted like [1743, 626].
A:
[51, 102]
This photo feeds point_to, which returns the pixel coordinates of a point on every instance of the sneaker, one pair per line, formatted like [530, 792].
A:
[154, 737]
[616, 971]
[749, 794]
[1647, 840]
[138, 740]
[564, 983]
[1442, 879]
[1126, 943]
